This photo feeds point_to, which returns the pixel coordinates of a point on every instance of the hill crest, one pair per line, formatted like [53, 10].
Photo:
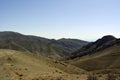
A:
[38, 45]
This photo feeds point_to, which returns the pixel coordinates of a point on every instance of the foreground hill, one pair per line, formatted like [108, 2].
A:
[16, 65]
[104, 57]
[41, 46]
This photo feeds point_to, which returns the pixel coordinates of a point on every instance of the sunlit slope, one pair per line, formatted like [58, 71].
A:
[15, 65]
[108, 58]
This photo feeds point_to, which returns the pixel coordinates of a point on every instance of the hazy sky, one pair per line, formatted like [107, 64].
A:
[82, 19]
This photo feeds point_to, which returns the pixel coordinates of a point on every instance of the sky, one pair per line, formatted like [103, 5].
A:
[80, 19]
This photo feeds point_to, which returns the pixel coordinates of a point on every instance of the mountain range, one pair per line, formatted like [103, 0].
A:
[40, 46]
[27, 57]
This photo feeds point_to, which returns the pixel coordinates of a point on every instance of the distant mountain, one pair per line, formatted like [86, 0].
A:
[93, 47]
[102, 55]
[38, 45]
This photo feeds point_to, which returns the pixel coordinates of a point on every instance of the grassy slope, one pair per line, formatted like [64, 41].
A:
[16, 65]
[106, 59]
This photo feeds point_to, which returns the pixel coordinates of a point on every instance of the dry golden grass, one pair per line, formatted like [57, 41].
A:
[17, 65]
[106, 59]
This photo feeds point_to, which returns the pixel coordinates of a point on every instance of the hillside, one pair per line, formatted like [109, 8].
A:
[38, 45]
[16, 65]
[96, 46]
[105, 56]
[20, 58]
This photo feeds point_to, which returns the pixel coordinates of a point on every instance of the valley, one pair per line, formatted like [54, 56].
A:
[34, 58]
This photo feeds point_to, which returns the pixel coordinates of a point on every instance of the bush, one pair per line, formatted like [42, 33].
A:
[92, 77]
[111, 76]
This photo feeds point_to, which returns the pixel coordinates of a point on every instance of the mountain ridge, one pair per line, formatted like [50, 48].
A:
[93, 47]
[96, 58]
[38, 45]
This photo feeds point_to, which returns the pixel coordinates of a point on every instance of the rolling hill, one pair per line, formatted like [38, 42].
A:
[102, 55]
[17, 65]
[96, 46]
[38, 45]
[26, 57]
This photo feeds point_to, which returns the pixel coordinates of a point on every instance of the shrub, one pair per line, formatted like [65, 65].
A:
[92, 77]
[111, 76]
